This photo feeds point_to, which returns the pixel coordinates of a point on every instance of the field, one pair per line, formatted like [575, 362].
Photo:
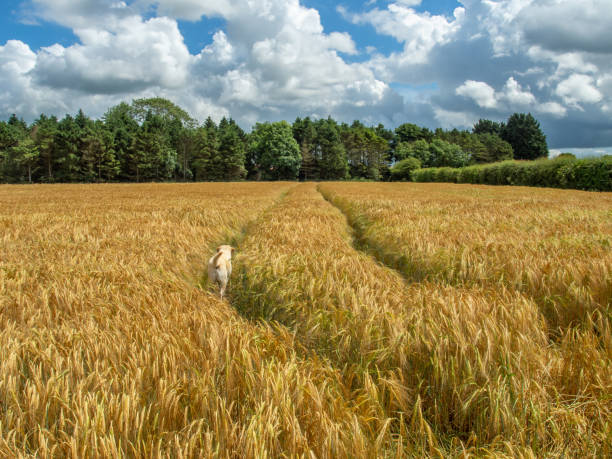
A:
[363, 320]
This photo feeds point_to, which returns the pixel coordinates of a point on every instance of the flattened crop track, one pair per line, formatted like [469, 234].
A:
[384, 321]
[437, 361]
[555, 249]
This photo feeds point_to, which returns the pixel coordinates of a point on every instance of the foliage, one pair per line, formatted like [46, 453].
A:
[484, 126]
[438, 153]
[524, 134]
[409, 132]
[593, 174]
[445, 154]
[69, 139]
[25, 154]
[495, 149]
[482, 147]
[418, 149]
[123, 128]
[229, 161]
[163, 108]
[98, 159]
[12, 133]
[304, 133]
[151, 157]
[329, 151]
[155, 140]
[205, 159]
[402, 170]
[586, 174]
[367, 152]
[274, 152]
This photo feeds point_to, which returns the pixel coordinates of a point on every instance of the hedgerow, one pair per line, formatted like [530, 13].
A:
[593, 174]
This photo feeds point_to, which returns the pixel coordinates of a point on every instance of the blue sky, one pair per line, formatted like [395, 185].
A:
[434, 63]
[16, 25]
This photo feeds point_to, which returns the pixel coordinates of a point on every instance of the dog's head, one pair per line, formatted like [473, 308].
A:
[228, 250]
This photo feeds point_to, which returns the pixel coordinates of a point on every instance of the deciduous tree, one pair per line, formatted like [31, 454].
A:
[275, 151]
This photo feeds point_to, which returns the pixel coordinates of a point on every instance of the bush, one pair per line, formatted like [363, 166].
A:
[593, 174]
[470, 174]
[447, 174]
[423, 175]
[403, 169]
[587, 174]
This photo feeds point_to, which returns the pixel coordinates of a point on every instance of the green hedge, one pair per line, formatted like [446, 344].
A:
[594, 174]
[403, 169]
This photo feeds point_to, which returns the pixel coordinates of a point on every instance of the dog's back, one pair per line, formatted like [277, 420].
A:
[220, 267]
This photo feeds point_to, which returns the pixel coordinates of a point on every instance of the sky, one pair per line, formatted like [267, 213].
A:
[440, 63]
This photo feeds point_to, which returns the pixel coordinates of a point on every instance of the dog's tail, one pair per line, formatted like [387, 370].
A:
[216, 259]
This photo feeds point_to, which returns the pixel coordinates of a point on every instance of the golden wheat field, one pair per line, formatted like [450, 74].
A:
[363, 320]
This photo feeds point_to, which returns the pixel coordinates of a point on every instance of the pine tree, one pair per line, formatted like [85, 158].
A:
[123, 128]
[523, 132]
[26, 155]
[98, 160]
[304, 133]
[206, 151]
[330, 151]
[484, 126]
[44, 134]
[69, 141]
[12, 133]
[232, 151]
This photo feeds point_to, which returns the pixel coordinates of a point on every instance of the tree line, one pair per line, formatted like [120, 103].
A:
[155, 140]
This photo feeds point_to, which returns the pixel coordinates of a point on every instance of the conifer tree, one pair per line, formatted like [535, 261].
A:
[330, 151]
[523, 132]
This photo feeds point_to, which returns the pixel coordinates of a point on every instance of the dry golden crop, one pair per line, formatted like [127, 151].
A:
[108, 348]
[444, 366]
[111, 345]
[553, 245]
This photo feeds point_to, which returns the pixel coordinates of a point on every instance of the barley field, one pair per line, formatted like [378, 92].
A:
[363, 320]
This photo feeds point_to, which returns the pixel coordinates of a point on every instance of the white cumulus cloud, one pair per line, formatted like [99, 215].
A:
[552, 108]
[516, 96]
[480, 92]
[130, 55]
[419, 32]
[579, 89]
[273, 59]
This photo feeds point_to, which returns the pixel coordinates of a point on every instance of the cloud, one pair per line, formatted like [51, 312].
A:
[419, 32]
[451, 119]
[552, 108]
[16, 60]
[480, 92]
[516, 96]
[568, 26]
[409, 2]
[272, 59]
[494, 58]
[579, 89]
[81, 14]
[128, 56]
[276, 60]
[485, 96]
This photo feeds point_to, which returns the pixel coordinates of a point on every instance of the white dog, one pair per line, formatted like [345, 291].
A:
[220, 267]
